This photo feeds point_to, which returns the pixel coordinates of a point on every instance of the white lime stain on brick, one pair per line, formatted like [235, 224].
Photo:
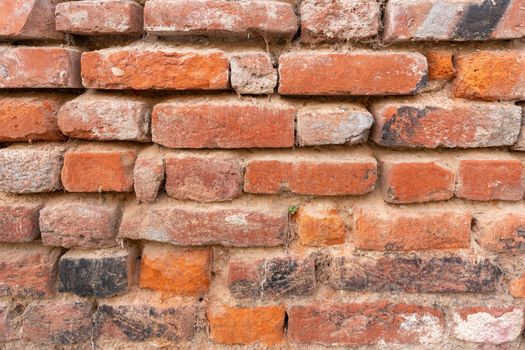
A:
[237, 220]
[428, 328]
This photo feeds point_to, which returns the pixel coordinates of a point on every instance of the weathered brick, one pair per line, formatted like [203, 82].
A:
[155, 68]
[73, 223]
[503, 179]
[58, 322]
[253, 73]
[19, 221]
[203, 179]
[333, 73]
[105, 117]
[100, 273]
[333, 125]
[99, 17]
[490, 75]
[10, 321]
[276, 277]
[176, 270]
[29, 119]
[333, 324]
[453, 20]
[320, 225]
[520, 143]
[244, 18]
[39, 67]
[223, 124]
[449, 274]
[383, 228]
[31, 169]
[98, 168]
[28, 19]
[336, 174]
[448, 123]
[440, 65]
[235, 325]
[338, 21]
[143, 320]
[517, 286]
[488, 324]
[28, 270]
[238, 225]
[416, 179]
[502, 232]
[148, 175]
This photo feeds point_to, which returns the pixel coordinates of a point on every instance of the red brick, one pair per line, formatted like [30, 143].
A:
[29, 119]
[99, 17]
[333, 125]
[19, 221]
[148, 176]
[337, 324]
[517, 286]
[277, 277]
[105, 117]
[444, 20]
[440, 65]
[381, 228]
[28, 19]
[175, 270]
[28, 270]
[235, 224]
[31, 169]
[415, 274]
[251, 325]
[159, 68]
[416, 180]
[97, 273]
[334, 73]
[341, 174]
[320, 225]
[490, 75]
[502, 232]
[58, 322]
[79, 224]
[503, 179]
[223, 124]
[141, 320]
[98, 168]
[203, 179]
[338, 21]
[39, 67]
[448, 123]
[488, 325]
[520, 143]
[246, 18]
[253, 73]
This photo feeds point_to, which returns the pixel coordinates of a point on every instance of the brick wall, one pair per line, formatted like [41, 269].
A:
[202, 174]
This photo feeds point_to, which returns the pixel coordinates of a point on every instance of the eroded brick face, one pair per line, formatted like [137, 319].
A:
[284, 174]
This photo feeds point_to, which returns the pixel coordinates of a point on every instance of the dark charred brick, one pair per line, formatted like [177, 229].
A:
[275, 277]
[480, 20]
[142, 322]
[414, 274]
[100, 273]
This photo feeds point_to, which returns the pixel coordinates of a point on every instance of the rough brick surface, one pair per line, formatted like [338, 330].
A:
[365, 324]
[320, 225]
[244, 18]
[79, 224]
[502, 232]
[440, 64]
[223, 124]
[141, 69]
[39, 67]
[28, 19]
[96, 17]
[19, 222]
[253, 73]
[103, 117]
[148, 175]
[29, 119]
[332, 73]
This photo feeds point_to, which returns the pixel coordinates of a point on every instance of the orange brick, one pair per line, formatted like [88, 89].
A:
[320, 225]
[440, 65]
[421, 180]
[502, 231]
[98, 169]
[517, 287]
[141, 69]
[491, 179]
[231, 325]
[176, 270]
[28, 19]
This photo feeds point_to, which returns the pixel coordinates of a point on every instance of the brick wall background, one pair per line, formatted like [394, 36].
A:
[214, 174]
